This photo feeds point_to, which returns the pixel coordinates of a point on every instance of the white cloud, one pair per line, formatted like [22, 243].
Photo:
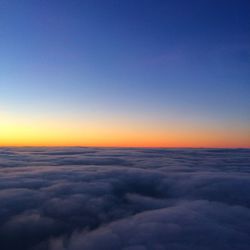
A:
[92, 198]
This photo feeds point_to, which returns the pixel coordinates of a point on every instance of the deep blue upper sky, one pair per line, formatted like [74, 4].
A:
[158, 59]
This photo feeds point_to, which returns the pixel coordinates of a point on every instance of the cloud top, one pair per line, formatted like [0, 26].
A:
[129, 199]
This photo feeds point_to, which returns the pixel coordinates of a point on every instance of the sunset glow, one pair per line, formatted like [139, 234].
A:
[17, 131]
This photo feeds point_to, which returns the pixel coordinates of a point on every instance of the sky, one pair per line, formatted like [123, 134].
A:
[125, 73]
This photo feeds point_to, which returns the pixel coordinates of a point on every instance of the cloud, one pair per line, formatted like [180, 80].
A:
[188, 225]
[133, 199]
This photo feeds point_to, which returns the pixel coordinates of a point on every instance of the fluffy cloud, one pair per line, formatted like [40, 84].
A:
[129, 199]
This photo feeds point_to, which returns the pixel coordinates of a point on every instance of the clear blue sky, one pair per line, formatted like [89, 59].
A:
[153, 60]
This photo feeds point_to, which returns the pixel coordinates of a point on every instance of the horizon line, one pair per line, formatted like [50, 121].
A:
[88, 146]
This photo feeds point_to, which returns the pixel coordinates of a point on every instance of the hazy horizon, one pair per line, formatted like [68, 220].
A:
[121, 147]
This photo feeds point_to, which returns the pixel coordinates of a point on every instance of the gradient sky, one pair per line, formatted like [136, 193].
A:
[125, 73]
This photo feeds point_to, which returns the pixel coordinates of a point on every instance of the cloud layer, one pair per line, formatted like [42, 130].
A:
[129, 199]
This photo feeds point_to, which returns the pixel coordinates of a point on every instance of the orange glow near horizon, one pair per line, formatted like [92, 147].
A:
[41, 132]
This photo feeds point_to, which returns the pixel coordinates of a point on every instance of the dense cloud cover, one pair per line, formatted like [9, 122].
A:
[129, 199]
